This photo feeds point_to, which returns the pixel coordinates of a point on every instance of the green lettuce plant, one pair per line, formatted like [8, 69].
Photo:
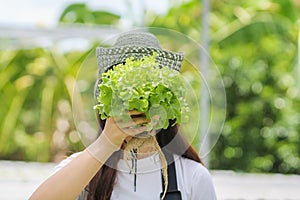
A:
[144, 86]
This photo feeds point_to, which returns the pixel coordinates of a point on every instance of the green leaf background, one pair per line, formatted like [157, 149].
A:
[254, 43]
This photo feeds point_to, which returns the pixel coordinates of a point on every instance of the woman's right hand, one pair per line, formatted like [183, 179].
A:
[114, 134]
[116, 130]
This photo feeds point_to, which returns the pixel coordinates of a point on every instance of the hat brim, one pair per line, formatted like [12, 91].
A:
[108, 57]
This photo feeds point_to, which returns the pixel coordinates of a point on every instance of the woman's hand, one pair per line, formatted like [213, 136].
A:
[115, 132]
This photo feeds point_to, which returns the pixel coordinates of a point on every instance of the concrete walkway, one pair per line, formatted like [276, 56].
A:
[235, 186]
[19, 179]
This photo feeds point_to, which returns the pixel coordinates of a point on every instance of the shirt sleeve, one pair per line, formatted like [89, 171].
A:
[202, 185]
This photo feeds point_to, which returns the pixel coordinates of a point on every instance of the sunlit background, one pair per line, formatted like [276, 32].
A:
[254, 44]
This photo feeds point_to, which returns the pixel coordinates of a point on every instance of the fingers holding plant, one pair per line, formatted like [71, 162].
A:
[138, 125]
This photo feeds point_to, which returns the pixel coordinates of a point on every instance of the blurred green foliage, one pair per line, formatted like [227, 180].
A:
[35, 118]
[80, 13]
[254, 45]
[258, 60]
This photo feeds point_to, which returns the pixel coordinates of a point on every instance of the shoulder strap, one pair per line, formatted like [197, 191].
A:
[172, 191]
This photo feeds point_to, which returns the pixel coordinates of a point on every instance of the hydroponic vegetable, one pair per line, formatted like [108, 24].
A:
[144, 86]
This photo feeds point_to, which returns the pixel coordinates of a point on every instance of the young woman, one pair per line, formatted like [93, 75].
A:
[101, 172]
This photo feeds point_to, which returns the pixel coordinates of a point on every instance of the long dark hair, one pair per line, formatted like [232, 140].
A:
[102, 184]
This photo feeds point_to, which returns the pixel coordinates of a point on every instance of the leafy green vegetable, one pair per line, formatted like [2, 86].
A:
[143, 86]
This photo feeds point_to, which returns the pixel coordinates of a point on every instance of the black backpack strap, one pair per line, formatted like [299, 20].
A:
[172, 191]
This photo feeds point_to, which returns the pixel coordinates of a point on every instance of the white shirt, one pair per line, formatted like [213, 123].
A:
[193, 179]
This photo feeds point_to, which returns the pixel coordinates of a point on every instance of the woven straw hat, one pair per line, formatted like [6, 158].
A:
[137, 45]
